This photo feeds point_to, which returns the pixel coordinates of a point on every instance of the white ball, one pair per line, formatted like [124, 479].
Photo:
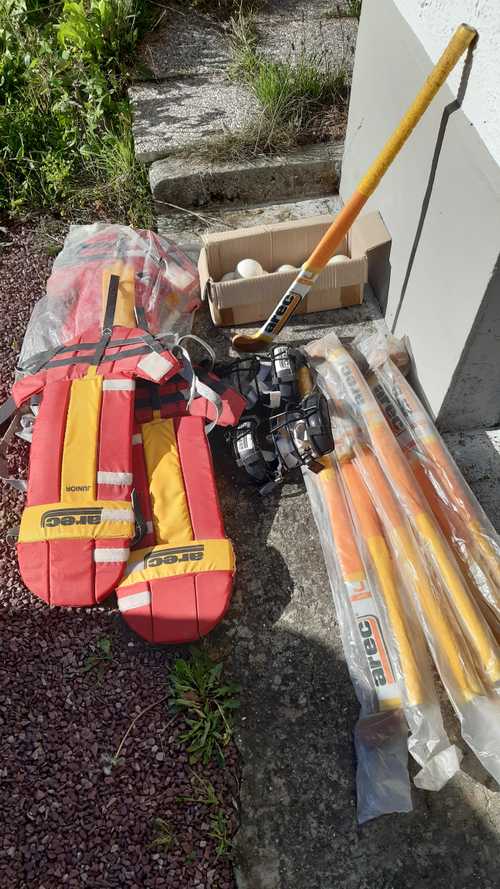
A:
[287, 268]
[338, 258]
[249, 268]
[230, 276]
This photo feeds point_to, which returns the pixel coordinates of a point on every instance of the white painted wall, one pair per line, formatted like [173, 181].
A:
[433, 22]
[448, 308]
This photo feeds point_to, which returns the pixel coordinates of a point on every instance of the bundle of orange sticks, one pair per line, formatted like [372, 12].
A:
[409, 585]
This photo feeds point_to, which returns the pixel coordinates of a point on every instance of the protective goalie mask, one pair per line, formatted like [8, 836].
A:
[298, 436]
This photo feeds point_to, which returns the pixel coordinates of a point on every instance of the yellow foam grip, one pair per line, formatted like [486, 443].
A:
[477, 630]
[60, 521]
[461, 40]
[193, 557]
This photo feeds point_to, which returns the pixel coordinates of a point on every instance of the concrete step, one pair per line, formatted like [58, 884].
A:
[307, 172]
[186, 227]
[173, 114]
[190, 94]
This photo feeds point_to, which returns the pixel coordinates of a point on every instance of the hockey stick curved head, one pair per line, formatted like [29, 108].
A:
[252, 343]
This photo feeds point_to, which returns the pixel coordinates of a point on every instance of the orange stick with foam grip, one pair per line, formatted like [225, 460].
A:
[478, 530]
[300, 287]
[391, 458]
[453, 504]
[361, 598]
[368, 525]
[354, 575]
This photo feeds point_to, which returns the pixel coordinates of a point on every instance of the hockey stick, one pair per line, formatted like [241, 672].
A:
[300, 287]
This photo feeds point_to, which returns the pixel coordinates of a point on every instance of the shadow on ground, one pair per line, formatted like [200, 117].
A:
[298, 809]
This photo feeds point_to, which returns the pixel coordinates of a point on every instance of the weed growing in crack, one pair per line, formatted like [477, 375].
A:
[220, 831]
[302, 98]
[163, 835]
[207, 704]
[100, 659]
[219, 824]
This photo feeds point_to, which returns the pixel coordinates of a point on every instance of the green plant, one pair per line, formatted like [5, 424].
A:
[354, 8]
[224, 9]
[163, 835]
[296, 95]
[350, 9]
[101, 658]
[220, 828]
[207, 704]
[205, 792]
[65, 123]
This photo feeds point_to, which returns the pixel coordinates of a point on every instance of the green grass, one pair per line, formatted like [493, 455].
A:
[207, 704]
[297, 96]
[100, 659]
[224, 9]
[354, 8]
[220, 828]
[65, 123]
[349, 10]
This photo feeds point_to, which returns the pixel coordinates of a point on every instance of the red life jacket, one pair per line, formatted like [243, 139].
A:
[78, 521]
[178, 581]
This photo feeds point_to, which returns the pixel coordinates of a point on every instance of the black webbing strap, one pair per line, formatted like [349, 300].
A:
[140, 317]
[155, 401]
[109, 317]
[106, 359]
[140, 522]
[109, 314]
[142, 322]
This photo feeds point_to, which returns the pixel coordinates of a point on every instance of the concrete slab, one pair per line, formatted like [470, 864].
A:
[182, 111]
[185, 227]
[308, 172]
[191, 96]
[298, 827]
[331, 42]
[185, 43]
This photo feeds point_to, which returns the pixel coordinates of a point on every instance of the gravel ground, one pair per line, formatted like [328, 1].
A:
[72, 818]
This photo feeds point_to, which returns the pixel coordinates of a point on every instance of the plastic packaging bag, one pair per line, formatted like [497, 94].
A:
[463, 648]
[469, 532]
[383, 644]
[160, 278]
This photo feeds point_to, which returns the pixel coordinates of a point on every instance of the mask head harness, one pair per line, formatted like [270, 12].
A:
[297, 436]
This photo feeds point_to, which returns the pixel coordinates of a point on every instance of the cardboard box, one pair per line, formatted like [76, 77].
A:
[244, 301]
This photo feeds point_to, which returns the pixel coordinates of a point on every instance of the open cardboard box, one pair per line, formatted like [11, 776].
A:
[253, 299]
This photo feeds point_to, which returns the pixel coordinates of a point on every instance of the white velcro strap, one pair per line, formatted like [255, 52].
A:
[117, 515]
[118, 385]
[111, 554]
[149, 527]
[114, 478]
[155, 366]
[136, 438]
[274, 399]
[135, 600]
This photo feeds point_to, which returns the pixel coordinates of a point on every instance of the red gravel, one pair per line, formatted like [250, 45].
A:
[72, 819]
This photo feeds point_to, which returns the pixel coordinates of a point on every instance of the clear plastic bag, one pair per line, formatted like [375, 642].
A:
[463, 647]
[384, 647]
[462, 520]
[156, 274]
